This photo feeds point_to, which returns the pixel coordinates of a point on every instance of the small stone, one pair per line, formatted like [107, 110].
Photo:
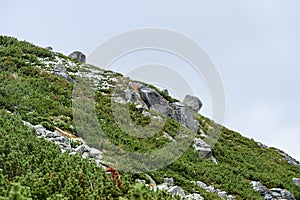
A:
[162, 187]
[296, 181]
[193, 196]
[176, 190]
[230, 197]
[49, 134]
[169, 181]
[222, 194]
[210, 188]
[95, 153]
[201, 184]
[85, 155]
[140, 181]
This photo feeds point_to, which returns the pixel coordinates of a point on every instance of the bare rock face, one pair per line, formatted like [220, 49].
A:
[274, 193]
[177, 111]
[78, 56]
[192, 102]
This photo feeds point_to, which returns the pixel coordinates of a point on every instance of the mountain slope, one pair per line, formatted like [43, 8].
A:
[36, 86]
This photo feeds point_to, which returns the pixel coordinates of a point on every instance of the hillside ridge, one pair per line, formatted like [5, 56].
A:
[37, 88]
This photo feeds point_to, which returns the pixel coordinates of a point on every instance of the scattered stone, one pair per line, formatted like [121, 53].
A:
[193, 196]
[49, 48]
[176, 190]
[201, 146]
[261, 145]
[140, 181]
[201, 184]
[78, 56]
[222, 194]
[192, 102]
[95, 153]
[289, 159]
[274, 193]
[210, 189]
[165, 91]
[230, 197]
[169, 181]
[85, 155]
[60, 70]
[296, 181]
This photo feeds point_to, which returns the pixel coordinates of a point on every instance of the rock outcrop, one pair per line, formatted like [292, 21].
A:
[68, 144]
[78, 56]
[192, 102]
[177, 111]
[211, 189]
[272, 194]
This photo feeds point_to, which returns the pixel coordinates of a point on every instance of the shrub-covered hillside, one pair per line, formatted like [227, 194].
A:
[36, 86]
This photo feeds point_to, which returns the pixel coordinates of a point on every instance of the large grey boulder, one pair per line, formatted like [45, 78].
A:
[184, 116]
[156, 102]
[192, 102]
[78, 56]
[296, 181]
[149, 98]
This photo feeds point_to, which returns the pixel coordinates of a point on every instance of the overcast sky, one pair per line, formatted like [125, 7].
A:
[254, 44]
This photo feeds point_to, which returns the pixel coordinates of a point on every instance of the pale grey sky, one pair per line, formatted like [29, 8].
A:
[254, 44]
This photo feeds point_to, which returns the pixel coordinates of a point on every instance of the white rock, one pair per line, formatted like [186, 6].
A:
[201, 184]
[176, 190]
[95, 153]
[162, 187]
[193, 196]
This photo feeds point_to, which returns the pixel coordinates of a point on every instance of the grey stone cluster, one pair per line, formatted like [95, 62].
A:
[272, 194]
[211, 189]
[175, 190]
[71, 145]
[291, 160]
[148, 98]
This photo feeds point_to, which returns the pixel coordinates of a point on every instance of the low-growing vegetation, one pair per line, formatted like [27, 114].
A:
[33, 168]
